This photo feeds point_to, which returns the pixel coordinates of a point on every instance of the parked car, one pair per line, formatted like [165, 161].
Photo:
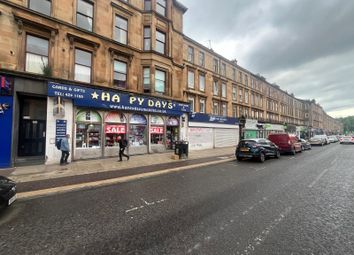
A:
[259, 149]
[324, 139]
[317, 141]
[287, 143]
[332, 139]
[7, 192]
[346, 140]
[306, 145]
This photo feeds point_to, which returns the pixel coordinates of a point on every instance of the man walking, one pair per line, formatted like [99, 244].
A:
[65, 150]
[122, 145]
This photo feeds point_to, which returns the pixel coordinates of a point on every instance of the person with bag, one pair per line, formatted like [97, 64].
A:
[123, 143]
[65, 150]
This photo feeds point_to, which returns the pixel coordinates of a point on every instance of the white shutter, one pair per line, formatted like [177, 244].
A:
[200, 138]
[225, 137]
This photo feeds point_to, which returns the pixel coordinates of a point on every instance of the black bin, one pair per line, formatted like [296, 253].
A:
[182, 149]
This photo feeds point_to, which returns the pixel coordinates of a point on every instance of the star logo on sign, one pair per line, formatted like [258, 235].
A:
[94, 95]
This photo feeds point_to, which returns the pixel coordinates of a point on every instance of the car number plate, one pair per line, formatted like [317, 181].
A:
[13, 199]
[244, 149]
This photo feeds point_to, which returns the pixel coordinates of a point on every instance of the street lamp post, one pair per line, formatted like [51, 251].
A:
[241, 126]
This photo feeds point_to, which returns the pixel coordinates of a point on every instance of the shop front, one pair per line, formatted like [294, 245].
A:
[272, 128]
[149, 124]
[253, 129]
[6, 115]
[209, 131]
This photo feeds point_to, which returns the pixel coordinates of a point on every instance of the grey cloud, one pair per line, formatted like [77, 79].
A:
[307, 47]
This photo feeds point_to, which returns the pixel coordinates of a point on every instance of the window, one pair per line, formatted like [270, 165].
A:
[84, 15]
[223, 109]
[160, 42]
[246, 80]
[216, 88]
[120, 74]
[191, 102]
[234, 74]
[234, 111]
[202, 82]
[147, 5]
[121, 30]
[83, 62]
[241, 79]
[252, 83]
[202, 105]
[201, 59]
[216, 65]
[160, 81]
[240, 95]
[246, 97]
[88, 129]
[234, 93]
[216, 108]
[147, 38]
[146, 78]
[190, 54]
[42, 6]
[36, 54]
[190, 79]
[223, 69]
[161, 7]
[223, 89]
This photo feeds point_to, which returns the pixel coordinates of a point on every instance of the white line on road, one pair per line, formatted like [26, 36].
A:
[318, 178]
[292, 158]
[258, 240]
[146, 205]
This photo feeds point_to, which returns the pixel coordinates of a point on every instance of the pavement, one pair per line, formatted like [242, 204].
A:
[298, 204]
[45, 177]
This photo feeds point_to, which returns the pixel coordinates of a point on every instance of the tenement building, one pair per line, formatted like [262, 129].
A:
[101, 69]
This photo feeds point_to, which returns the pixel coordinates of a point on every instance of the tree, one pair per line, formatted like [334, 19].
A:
[348, 124]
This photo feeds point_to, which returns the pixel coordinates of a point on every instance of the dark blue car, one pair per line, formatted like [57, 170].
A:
[7, 192]
[259, 149]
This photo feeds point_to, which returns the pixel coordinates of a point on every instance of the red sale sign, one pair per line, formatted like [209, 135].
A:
[115, 129]
[156, 130]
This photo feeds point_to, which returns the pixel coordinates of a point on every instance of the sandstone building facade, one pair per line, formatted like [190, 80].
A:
[100, 69]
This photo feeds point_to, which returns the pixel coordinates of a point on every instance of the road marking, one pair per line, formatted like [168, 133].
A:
[88, 185]
[260, 169]
[292, 158]
[147, 204]
[318, 178]
[249, 209]
[333, 161]
[258, 240]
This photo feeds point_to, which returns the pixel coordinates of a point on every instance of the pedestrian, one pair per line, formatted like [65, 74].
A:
[122, 145]
[65, 150]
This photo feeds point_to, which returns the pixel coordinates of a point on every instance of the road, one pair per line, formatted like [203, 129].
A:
[293, 205]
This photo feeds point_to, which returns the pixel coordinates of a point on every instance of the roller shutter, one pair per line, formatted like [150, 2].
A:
[225, 137]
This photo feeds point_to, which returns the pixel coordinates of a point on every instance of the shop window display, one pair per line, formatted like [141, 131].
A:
[138, 128]
[157, 130]
[88, 129]
[115, 125]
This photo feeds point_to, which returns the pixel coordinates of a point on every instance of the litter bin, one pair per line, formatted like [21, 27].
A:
[182, 149]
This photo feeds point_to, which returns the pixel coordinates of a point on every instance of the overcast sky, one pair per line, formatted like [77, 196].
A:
[305, 46]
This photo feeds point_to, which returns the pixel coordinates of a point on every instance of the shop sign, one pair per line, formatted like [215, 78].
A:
[274, 127]
[6, 85]
[6, 131]
[207, 118]
[156, 130]
[112, 100]
[251, 124]
[115, 129]
[60, 129]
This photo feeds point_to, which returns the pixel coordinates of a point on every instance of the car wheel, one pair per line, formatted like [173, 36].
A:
[262, 157]
[277, 155]
[302, 148]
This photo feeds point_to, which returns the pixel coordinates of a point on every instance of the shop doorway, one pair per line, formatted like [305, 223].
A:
[172, 132]
[32, 127]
